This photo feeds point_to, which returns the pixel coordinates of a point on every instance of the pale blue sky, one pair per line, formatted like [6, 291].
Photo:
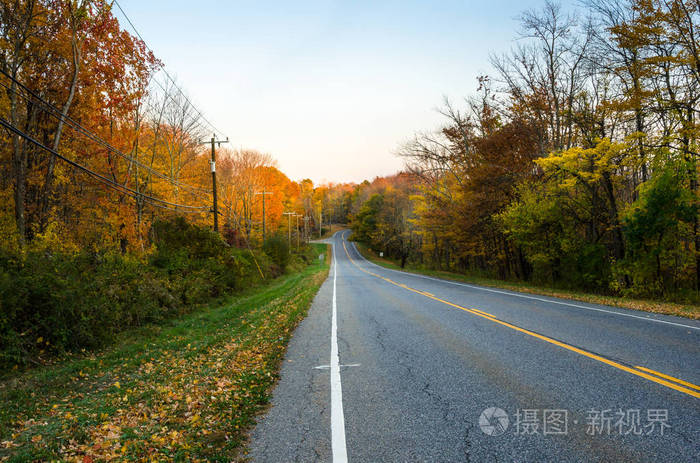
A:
[329, 88]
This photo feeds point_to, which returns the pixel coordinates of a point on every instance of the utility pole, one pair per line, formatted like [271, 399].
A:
[263, 193]
[320, 222]
[215, 209]
[289, 229]
[306, 228]
[296, 216]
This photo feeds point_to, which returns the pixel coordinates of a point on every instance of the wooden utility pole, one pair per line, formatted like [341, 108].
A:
[320, 222]
[263, 193]
[215, 209]
[289, 229]
[296, 216]
[306, 228]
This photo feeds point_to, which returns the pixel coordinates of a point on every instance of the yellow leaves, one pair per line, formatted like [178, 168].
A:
[37, 438]
[54, 239]
[117, 385]
[110, 431]
[8, 444]
[147, 367]
[584, 165]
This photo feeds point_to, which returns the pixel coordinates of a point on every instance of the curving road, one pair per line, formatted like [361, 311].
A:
[392, 366]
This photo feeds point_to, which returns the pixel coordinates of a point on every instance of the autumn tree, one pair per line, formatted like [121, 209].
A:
[574, 165]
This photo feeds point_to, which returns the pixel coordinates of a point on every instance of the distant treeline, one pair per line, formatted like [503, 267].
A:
[574, 165]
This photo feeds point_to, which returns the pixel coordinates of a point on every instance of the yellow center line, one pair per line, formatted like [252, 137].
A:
[563, 345]
[485, 313]
[653, 372]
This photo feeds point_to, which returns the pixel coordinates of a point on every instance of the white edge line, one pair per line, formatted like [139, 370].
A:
[340, 453]
[327, 367]
[650, 319]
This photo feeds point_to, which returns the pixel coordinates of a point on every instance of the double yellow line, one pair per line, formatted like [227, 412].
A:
[646, 373]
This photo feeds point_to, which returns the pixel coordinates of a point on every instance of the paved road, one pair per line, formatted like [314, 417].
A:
[390, 366]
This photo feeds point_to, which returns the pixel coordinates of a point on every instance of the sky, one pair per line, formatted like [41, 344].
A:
[330, 89]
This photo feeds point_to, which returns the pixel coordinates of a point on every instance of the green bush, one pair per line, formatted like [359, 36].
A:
[52, 303]
[278, 249]
[657, 228]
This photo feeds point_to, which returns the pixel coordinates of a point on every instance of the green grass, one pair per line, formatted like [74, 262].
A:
[668, 308]
[186, 390]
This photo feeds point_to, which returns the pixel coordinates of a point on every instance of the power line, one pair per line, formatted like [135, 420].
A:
[56, 113]
[53, 111]
[165, 71]
[169, 96]
[121, 188]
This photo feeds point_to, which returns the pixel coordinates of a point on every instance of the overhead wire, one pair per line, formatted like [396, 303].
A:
[109, 182]
[133, 27]
[30, 96]
[169, 95]
[57, 114]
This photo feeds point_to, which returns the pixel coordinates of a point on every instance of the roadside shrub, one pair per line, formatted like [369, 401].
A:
[52, 303]
[658, 227]
[278, 249]
[178, 234]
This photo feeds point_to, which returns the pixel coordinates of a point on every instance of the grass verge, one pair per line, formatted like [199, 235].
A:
[184, 391]
[667, 308]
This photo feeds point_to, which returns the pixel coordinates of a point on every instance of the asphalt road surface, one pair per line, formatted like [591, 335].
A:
[391, 366]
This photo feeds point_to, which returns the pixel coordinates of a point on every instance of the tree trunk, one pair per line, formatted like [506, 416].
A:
[48, 182]
[19, 168]
[617, 238]
[639, 118]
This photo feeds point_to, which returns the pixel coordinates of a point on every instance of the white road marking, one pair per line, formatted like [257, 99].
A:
[340, 453]
[578, 306]
[326, 367]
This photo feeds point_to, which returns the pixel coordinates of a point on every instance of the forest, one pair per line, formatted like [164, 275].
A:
[573, 165]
